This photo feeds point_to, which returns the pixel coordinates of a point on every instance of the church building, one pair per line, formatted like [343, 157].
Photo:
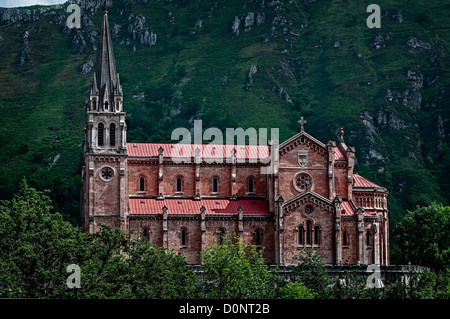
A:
[283, 197]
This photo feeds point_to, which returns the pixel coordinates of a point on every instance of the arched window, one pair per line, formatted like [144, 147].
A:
[308, 232]
[112, 134]
[106, 106]
[258, 237]
[368, 238]
[117, 105]
[215, 185]
[183, 241]
[344, 238]
[141, 184]
[101, 134]
[316, 235]
[251, 185]
[179, 184]
[94, 104]
[301, 235]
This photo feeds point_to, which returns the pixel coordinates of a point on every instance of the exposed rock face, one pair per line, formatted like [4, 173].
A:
[389, 119]
[417, 45]
[235, 25]
[411, 96]
[252, 71]
[24, 58]
[86, 66]
[138, 31]
[249, 21]
[13, 14]
[380, 41]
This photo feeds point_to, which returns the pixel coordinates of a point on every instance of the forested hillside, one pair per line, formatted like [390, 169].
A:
[259, 63]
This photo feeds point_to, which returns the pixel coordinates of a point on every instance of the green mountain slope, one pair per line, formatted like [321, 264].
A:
[260, 64]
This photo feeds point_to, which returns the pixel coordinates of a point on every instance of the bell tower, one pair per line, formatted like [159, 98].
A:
[104, 192]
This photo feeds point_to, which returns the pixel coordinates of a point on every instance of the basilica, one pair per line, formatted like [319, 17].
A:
[283, 197]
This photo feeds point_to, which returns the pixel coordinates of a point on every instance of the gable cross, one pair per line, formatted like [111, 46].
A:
[302, 122]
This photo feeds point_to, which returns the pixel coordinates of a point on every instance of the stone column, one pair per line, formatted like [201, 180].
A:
[279, 231]
[360, 226]
[376, 244]
[241, 220]
[91, 194]
[331, 154]
[197, 161]
[160, 172]
[203, 228]
[233, 172]
[338, 233]
[165, 227]
[350, 162]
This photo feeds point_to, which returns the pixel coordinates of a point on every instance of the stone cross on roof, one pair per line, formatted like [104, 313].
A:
[302, 122]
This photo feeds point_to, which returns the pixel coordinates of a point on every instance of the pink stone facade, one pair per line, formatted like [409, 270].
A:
[301, 194]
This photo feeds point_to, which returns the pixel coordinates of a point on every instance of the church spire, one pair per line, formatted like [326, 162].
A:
[105, 70]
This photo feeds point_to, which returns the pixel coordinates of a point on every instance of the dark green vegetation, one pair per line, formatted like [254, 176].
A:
[37, 245]
[388, 88]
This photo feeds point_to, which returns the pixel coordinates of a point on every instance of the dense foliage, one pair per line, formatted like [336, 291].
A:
[234, 270]
[424, 236]
[37, 246]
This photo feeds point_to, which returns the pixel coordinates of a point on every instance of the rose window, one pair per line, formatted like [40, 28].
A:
[302, 182]
[107, 173]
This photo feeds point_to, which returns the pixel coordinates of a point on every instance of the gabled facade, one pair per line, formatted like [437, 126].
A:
[284, 197]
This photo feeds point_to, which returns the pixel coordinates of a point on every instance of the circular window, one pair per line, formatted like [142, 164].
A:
[107, 173]
[309, 210]
[302, 182]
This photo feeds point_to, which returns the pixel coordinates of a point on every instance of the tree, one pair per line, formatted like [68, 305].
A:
[424, 236]
[295, 290]
[232, 270]
[353, 285]
[36, 246]
[312, 273]
[120, 266]
[426, 285]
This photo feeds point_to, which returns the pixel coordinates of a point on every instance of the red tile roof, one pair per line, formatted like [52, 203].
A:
[144, 206]
[360, 181]
[370, 212]
[339, 155]
[346, 209]
[207, 150]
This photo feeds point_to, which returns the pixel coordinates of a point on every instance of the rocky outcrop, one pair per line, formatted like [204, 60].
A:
[25, 58]
[139, 31]
[417, 45]
[27, 15]
[248, 21]
[380, 41]
[410, 96]
[86, 66]
[384, 118]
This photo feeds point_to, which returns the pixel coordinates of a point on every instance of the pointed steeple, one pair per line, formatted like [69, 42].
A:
[105, 69]
[94, 88]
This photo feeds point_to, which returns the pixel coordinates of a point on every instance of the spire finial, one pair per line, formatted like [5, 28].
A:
[341, 134]
[302, 122]
[105, 8]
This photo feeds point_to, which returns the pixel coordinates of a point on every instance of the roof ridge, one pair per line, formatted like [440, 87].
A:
[302, 194]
